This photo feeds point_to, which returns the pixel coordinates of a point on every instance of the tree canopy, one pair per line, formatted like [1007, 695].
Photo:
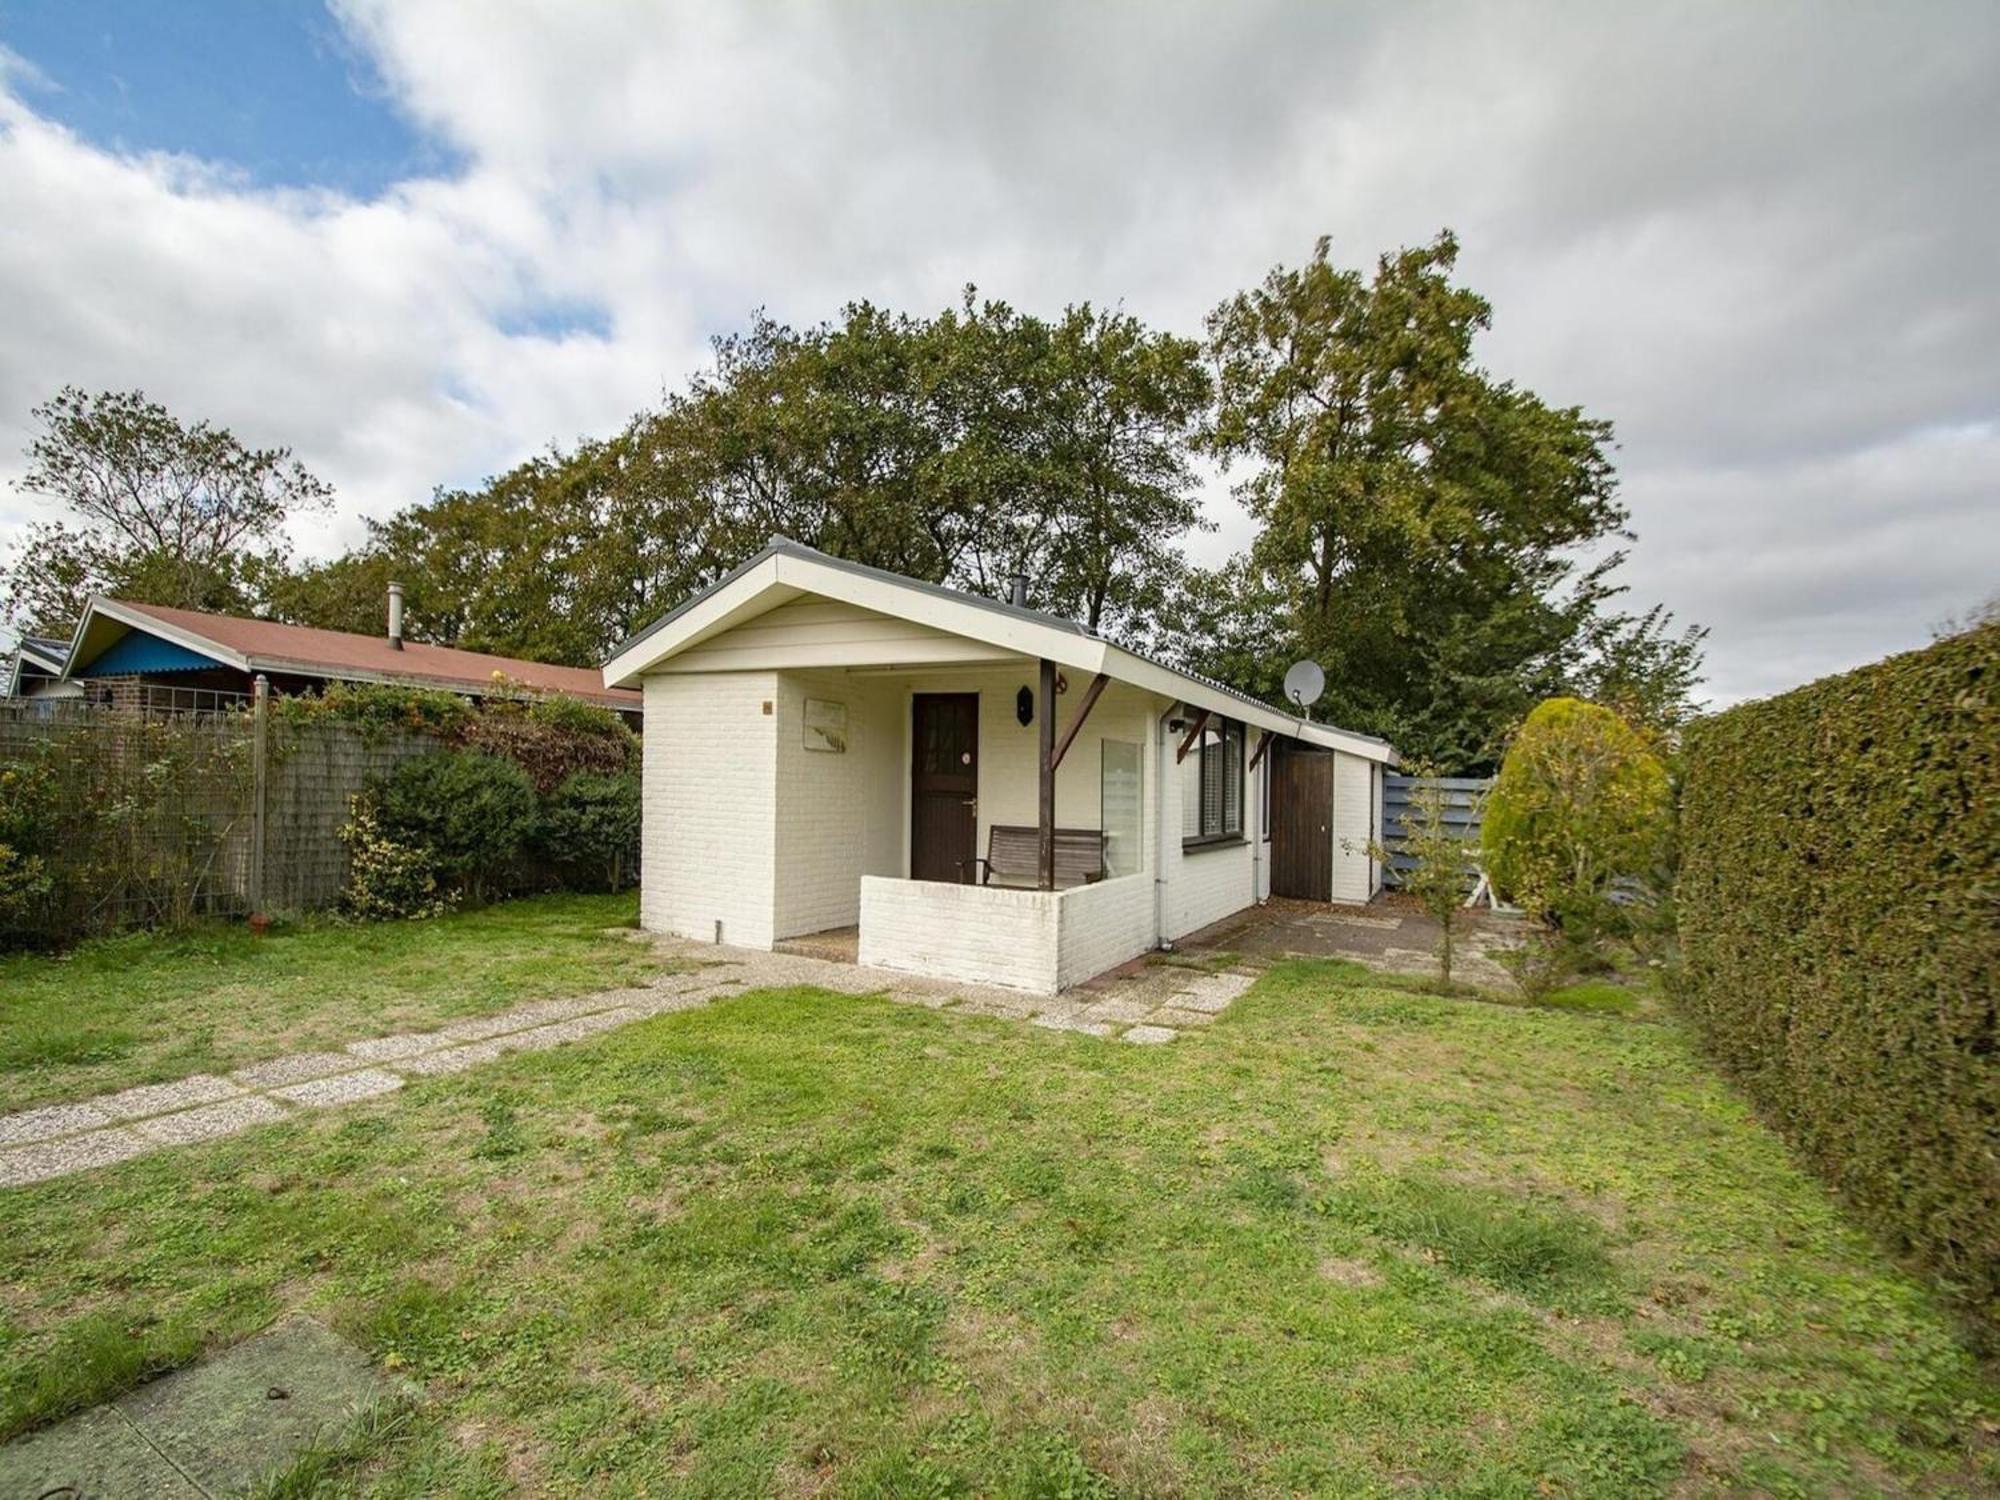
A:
[156, 509]
[1441, 540]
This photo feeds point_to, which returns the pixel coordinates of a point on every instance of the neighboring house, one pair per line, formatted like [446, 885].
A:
[132, 650]
[831, 746]
[34, 669]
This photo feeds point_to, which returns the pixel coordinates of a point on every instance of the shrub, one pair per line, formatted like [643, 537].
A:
[472, 813]
[377, 707]
[1837, 897]
[553, 744]
[386, 879]
[1580, 803]
[590, 825]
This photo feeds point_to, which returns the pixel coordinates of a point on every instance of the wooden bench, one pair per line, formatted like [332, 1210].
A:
[1014, 855]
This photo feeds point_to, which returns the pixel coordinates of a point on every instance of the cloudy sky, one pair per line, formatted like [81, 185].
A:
[419, 239]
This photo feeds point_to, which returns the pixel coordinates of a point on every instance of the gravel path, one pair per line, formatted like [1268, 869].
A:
[1144, 1004]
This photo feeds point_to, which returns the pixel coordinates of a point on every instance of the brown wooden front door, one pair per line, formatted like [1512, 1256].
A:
[1301, 822]
[944, 786]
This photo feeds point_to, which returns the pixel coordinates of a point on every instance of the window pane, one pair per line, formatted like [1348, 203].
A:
[1120, 796]
[1232, 780]
[1211, 781]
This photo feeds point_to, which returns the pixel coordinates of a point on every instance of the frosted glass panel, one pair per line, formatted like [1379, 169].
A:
[1120, 797]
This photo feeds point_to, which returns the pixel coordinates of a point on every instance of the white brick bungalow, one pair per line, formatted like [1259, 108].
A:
[832, 746]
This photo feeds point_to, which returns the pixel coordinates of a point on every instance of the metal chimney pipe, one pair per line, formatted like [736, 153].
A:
[1017, 590]
[396, 615]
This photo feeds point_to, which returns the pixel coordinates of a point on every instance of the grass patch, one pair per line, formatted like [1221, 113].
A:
[803, 1243]
[145, 1008]
[1538, 1250]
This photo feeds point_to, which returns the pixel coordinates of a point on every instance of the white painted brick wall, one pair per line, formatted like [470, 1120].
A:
[1203, 885]
[1101, 926]
[979, 934]
[839, 817]
[710, 821]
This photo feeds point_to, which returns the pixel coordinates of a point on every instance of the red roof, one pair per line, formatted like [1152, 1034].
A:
[311, 652]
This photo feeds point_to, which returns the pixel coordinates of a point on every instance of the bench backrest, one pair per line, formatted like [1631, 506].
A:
[1017, 853]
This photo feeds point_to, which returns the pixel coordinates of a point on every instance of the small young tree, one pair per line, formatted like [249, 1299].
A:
[1581, 802]
[1438, 870]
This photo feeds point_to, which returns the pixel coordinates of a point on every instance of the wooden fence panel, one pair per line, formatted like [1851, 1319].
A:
[1463, 795]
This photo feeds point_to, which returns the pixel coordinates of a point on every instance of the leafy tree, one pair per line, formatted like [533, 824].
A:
[156, 510]
[1581, 802]
[1419, 517]
[957, 448]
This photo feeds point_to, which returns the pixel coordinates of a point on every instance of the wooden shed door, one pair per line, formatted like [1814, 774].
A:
[944, 786]
[1301, 822]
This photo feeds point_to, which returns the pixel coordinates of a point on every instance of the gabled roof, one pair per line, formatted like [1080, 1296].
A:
[43, 652]
[338, 655]
[786, 569]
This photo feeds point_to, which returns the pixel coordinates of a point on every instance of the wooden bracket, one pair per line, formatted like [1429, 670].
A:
[1262, 745]
[1090, 697]
[1193, 735]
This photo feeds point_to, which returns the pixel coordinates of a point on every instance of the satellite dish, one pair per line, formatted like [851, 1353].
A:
[1304, 682]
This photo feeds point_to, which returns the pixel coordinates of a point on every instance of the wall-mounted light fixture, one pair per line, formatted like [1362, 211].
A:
[1024, 706]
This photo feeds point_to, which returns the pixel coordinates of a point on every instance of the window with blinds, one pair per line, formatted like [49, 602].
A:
[1212, 785]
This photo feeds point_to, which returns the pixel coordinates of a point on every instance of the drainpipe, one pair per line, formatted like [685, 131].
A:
[1161, 740]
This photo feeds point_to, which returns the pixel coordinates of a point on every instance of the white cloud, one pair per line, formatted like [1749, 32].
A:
[1755, 237]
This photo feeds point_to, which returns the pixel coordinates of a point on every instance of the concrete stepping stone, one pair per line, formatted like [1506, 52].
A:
[159, 1098]
[211, 1121]
[77, 1153]
[1059, 1021]
[452, 1060]
[53, 1119]
[1149, 1036]
[212, 1429]
[1172, 1015]
[294, 1069]
[343, 1088]
[390, 1048]
[1122, 1008]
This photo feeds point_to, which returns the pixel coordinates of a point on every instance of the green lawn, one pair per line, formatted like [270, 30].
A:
[1353, 1239]
[146, 1008]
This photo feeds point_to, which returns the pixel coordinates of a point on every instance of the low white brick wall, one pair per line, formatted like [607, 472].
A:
[980, 934]
[1040, 941]
[1101, 926]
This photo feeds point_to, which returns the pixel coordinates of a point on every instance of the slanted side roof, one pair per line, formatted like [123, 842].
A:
[338, 655]
[786, 570]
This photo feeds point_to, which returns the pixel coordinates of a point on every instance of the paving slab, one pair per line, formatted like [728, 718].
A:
[343, 1088]
[390, 1048]
[557, 1032]
[452, 1059]
[211, 1121]
[1055, 1022]
[76, 1153]
[1170, 1015]
[53, 1119]
[158, 1098]
[1121, 1008]
[294, 1069]
[97, 1454]
[1149, 1036]
[248, 1412]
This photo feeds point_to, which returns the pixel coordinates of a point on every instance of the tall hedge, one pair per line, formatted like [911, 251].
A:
[1840, 923]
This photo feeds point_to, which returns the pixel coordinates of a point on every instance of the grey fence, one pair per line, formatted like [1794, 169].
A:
[1462, 798]
[149, 816]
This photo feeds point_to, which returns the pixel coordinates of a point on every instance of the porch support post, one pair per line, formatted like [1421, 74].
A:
[1047, 850]
[1090, 697]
